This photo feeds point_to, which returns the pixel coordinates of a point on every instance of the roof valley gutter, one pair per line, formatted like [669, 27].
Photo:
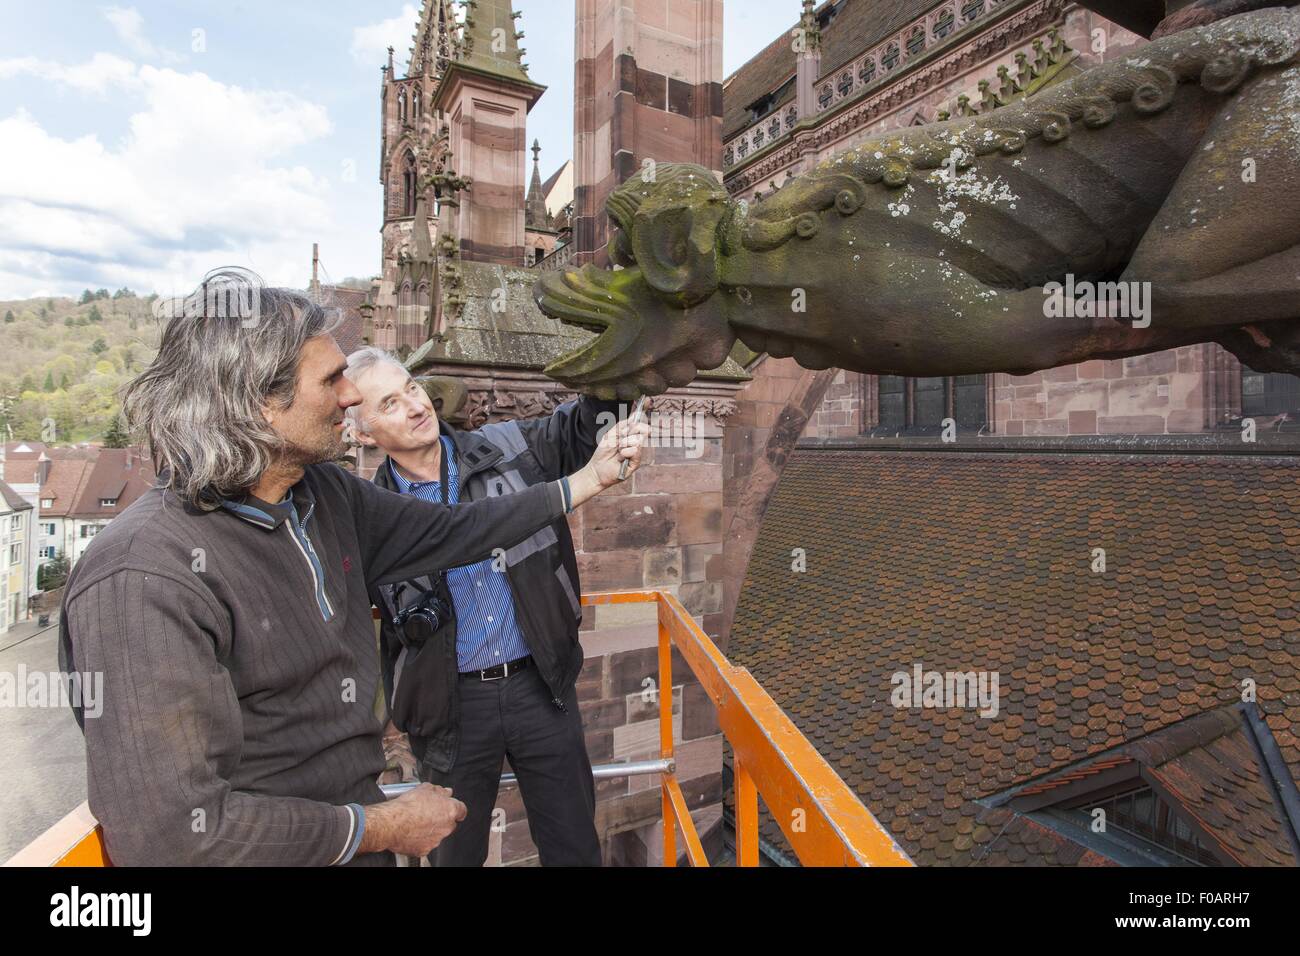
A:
[1283, 786]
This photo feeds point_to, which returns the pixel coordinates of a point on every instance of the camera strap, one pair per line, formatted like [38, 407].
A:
[444, 491]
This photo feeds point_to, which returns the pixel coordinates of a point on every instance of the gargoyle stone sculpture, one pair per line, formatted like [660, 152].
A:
[933, 250]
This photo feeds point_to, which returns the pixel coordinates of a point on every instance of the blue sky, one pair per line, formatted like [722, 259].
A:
[143, 144]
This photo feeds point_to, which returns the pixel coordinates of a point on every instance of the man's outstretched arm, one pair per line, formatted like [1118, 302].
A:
[402, 536]
[566, 439]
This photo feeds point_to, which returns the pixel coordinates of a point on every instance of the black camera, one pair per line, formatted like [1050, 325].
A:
[421, 619]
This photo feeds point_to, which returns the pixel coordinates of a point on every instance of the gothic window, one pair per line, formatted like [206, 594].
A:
[758, 137]
[791, 117]
[890, 59]
[968, 395]
[867, 71]
[891, 400]
[401, 107]
[415, 105]
[774, 129]
[928, 401]
[539, 254]
[422, 296]
[923, 403]
[943, 24]
[845, 83]
[824, 96]
[916, 42]
[408, 185]
[971, 9]
[1268, 393]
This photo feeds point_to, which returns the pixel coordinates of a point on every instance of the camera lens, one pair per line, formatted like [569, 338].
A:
[417, 628]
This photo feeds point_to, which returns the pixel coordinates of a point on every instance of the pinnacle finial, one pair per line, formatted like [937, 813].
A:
[537, 149]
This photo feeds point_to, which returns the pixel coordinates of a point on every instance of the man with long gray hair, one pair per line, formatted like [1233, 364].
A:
[227, 608]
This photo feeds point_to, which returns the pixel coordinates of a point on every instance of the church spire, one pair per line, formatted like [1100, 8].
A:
[535, 205]
[489, 41]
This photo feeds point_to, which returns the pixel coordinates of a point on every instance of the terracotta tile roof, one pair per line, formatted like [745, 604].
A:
[73, 452]
[859, 24]
[1210, 768]
[120, 474]
[63, 484]
[23, 450]
[1222, 785]
[348, 332]
[983, 562]
[22, 471]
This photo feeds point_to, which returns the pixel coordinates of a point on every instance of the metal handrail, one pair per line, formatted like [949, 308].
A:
[605, 771]
[824, 821]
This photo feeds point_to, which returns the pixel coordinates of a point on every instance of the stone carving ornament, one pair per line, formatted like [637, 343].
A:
[932, 250]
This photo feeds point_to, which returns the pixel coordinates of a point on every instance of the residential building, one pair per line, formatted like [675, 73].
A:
[115, 479]
[16, 534]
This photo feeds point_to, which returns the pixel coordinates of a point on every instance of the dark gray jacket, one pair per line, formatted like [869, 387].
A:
[239, 667]
[498, 459]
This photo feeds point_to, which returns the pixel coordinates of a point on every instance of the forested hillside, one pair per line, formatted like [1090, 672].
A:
[63, 360]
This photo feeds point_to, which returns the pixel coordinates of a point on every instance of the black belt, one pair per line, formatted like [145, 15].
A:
[500, 671]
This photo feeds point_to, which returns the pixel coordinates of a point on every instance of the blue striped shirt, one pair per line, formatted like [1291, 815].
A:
[487, 633]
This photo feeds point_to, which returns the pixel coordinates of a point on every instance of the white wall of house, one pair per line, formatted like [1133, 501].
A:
[83, 531]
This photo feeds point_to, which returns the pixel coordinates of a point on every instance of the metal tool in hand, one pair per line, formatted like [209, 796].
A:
[633, 419]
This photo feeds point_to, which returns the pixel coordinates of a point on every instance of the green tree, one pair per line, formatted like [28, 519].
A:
[101, 293]
[98, 346]
[9, 316]
[95, 314]
[116, 436]
[63, 382]
[49, 382]
[68, 321]
[86, 296]
[53, 574]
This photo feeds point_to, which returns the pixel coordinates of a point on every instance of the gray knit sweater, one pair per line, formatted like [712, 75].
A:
[239, 662]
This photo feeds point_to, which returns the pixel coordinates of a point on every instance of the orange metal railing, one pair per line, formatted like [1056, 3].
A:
[826, 824]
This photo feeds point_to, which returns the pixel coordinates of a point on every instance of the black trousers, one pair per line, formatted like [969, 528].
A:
[513, 718]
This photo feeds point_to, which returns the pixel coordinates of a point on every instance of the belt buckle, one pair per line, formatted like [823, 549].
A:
[482, 675]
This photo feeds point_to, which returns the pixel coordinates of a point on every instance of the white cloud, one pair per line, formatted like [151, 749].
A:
[201, 178]
[129, 27]
[370, 43]
[98, 75]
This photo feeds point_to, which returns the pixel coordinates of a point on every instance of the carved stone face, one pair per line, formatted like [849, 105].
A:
[657, 315]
